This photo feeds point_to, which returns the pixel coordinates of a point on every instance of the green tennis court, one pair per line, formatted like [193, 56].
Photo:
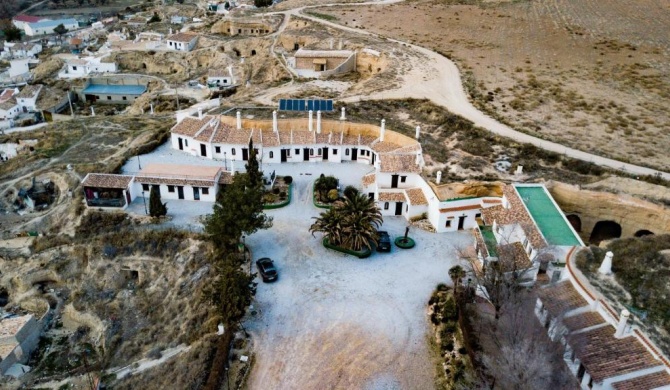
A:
[547, 216]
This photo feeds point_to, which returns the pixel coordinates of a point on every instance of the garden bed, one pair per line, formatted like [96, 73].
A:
[325, 187]
[280, 195]
[404, 243]
[360, 254]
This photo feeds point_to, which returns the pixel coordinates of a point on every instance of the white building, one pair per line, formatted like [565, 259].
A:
[9, 109]
[20, 21]
[22, 50]
[219, 78]
[82, 67]
[182, 41]
[47, 26]
[28, 96]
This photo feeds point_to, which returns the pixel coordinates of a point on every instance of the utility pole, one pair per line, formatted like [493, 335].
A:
[69, 100]
[176, 91]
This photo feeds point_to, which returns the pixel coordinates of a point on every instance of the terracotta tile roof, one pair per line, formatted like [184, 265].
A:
[218, 73]
[174, 181]
[416, 147]
[645, 382]
[27, 18]
[321, 138]
[6, 94]
[176, 174]
[204, 134]
[11, 326]
[384, 147]
[560, 298]
[350, 140]
[583, 320]
[238, 137]
[391, 196]
[103, 180]
[270, 138]
[8, 104]
[514, 252]
[367, 140]
[605, 356]
[226, 177]
[30, 91]
[399, 163]
[416, 196]
[302, 137]
[515, 214]
[222, 133]
[369, 179]
[182, 37]
[460, 208]
[189, 126]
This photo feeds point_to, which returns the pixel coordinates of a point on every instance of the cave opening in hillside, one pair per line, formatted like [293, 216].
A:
[253, 52]
[575, 221]
[605, 230]
[643, 232]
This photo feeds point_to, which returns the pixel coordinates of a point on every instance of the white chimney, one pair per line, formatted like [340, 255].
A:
[383, 130]
[239, 120]
[309, 124]
[418, 159]
[343, 117]
[274, 121]
[606, 266]
[623, 321]
[330, 137]
[152, 108]
[519, 170]
[199, 113]
[318, 122]
[232, 166]
[92, 111]
[418, 131]
[438, 179]
[220, 332]
[339, 47]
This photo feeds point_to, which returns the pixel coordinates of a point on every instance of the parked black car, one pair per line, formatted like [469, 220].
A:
[384, 243]
[267, 269]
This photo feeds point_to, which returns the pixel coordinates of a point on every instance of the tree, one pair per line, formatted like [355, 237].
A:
[252, 166]
[262, 3]
[351, 223]
[238, 210]
[323, 185]
[155, 18]
[229, 291]
[156, 207]
[12, 33]
[60, 30]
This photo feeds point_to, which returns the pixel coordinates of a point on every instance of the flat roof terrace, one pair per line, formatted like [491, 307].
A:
[547, 216]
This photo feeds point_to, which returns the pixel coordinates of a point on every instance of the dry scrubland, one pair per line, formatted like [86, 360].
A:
[594, 75]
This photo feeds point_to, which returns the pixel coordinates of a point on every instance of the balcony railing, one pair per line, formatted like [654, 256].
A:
[106, 202]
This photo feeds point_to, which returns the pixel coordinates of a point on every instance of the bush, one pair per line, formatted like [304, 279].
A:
[333, 195]
[288, 179]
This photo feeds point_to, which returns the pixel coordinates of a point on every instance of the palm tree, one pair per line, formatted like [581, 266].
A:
[351, 223]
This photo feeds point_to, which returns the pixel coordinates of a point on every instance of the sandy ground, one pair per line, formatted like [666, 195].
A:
[337, 322]
[589, 75]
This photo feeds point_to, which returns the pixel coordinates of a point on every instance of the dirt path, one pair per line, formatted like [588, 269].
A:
[436, 78]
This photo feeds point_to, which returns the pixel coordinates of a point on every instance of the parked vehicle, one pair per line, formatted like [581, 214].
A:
[267, 269]
[384, 244]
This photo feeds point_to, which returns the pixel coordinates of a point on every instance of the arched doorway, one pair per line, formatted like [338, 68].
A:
[575, 221]
[605, 230]
[643, 232]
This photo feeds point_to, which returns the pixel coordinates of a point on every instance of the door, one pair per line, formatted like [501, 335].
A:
[196, 193]
[305, 154]
[180, 192]
[181, 143]
[374, 158]
[127, 196]
[354, 154]
[394, 181]
[245, 154]
[283, 155]
[325, 154]
[203, 150]
[461, 222]
[398, 208]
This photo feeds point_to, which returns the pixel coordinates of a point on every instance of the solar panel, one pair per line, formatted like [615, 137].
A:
[305, 105]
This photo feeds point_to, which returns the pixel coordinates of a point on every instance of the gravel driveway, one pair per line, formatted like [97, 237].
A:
[335, 321]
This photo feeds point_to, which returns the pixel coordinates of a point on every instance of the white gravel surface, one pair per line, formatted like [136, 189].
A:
[336, 321]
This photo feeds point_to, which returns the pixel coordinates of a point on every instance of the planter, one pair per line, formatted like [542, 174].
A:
[282, 204]
[404, 243]
[319, 204]
[361, 255]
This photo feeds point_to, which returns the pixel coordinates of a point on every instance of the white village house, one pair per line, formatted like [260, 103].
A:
[47, 26]
[182, 41]
[9, 109]
[82, 67]
[20, 21]
[28, 96]
[219, 78]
